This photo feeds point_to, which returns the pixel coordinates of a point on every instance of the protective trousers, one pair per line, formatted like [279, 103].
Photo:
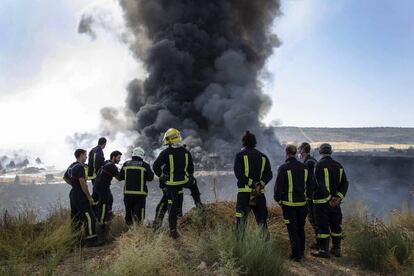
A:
[295, 217]
[329, 224]
[311, 217]
[81, 213]
[134, 208]
[105, 200]
[243, 207]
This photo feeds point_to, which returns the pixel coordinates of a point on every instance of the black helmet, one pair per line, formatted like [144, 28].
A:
[325, 149]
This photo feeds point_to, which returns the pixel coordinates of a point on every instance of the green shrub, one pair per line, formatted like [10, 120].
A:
[381, 246]
[251, 254]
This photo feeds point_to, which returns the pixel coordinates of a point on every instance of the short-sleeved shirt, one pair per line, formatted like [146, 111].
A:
[105, 174]
[75, 171]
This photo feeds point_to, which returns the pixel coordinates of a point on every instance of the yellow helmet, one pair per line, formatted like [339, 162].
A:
[172, 136]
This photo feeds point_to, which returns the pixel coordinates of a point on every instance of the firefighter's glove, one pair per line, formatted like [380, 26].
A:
[92, 202]
[163, 180]
[335, 201]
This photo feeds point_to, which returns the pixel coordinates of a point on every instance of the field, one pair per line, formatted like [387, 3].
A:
[350, 139]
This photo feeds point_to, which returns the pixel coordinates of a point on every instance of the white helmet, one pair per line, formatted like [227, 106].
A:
[138, 152]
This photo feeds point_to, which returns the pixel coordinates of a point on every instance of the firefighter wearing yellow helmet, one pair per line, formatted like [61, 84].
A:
[172, 136]
[174, 166]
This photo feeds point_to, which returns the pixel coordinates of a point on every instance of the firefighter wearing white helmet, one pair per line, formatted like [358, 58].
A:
[174, 166]
[136, 172]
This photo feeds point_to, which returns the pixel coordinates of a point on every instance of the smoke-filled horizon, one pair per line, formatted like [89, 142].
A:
[203, 60]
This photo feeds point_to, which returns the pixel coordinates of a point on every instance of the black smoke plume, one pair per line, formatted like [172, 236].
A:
[204, 60]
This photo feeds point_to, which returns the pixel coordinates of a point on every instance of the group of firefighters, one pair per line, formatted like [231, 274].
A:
[304, 188]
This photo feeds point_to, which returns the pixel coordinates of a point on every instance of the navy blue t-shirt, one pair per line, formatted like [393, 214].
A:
[75, 171]
[105, 174]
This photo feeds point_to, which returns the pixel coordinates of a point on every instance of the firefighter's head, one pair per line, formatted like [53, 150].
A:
[80, 155]
[138, 152]
[116, 156]
[172, 136]
[325, 149]
[249, 140]
[290, 151]
[102, 142]
[304, 150]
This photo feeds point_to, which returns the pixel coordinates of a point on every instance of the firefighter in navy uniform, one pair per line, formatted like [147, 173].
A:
[331, 188]
[80, 198]
[96, 159]
[310, 163]
[162, 206]
[175, 167]
[253, 172]
[290, 192]
[104, 178]
[136, 172]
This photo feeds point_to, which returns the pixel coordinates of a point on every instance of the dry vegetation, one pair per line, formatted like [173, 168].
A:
[207, 247]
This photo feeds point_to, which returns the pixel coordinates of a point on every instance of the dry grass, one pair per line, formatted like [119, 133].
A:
[207, 246]
[24, 242]
[382, 246]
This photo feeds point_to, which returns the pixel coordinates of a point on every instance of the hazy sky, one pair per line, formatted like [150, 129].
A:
[342, 63]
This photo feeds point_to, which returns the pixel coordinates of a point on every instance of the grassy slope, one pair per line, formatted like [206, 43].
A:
[357, 135]
[207, 247]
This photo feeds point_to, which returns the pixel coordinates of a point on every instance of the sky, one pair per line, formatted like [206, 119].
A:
[342, 63]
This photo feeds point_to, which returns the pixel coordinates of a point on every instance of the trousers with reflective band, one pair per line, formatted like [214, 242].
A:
[328, 220]
[294, 218]
[81, 212]
[243, 209]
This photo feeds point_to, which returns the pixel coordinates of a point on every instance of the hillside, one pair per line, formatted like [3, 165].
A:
[207, 247]
[350, 139]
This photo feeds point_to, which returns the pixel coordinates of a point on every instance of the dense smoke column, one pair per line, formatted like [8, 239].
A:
[203, 60]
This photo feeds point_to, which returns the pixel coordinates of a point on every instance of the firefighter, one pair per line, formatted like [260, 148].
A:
[80, 198]
[136, 172]
[162, 206]
[253, 172]
[95, 161]
[106, 173]
[175, 167]
[290, 193]
[331, 188]
[310, 162]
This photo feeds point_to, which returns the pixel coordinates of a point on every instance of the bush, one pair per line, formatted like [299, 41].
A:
[384, 247]
[138, 252]
[251, 254]
[23, 240]
[143, 258]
